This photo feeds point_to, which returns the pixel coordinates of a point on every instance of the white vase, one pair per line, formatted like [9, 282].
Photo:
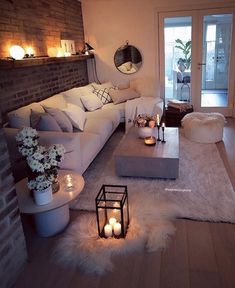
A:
[43, 197]
[145, 132]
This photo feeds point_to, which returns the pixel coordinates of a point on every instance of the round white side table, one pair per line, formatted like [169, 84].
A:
[51, 218]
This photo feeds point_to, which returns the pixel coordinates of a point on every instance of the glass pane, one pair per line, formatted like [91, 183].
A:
[217, 31]
[177, 35]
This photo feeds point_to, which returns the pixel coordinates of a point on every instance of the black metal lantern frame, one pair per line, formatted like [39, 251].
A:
[112, 210]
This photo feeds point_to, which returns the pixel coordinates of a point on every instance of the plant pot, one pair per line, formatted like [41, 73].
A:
[43, 197]
[145, 132]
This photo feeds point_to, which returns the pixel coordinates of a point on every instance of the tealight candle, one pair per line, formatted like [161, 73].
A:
[69, 182]
[108, 230]
[117, 229]
[112, 221]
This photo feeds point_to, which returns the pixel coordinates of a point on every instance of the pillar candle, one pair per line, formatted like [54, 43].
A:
[108, 230]
[117, 229]
[112, 221]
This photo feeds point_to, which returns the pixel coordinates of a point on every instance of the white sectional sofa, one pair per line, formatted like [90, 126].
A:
[81, 146]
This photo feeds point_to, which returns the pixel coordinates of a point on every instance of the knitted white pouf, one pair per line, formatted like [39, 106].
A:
[203, 127]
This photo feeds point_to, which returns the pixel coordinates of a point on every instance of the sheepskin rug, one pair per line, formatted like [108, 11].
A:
[150, 227]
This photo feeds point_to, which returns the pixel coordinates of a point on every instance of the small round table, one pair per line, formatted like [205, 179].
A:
[51, 218]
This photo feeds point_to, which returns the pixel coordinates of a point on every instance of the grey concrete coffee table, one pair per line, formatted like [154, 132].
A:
[53, 217]
[134, 158]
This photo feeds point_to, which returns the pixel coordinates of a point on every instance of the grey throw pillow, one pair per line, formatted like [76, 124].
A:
[43, 122]
[61, 119]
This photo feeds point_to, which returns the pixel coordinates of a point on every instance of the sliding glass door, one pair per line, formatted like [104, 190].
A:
[196, 58]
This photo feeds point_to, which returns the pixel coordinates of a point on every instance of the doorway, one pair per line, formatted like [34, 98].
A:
[217, 31]
[196, 56]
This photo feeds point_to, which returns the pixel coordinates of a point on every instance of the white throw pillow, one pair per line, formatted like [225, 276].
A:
[91, 102]
[73, 96]
[76, 115]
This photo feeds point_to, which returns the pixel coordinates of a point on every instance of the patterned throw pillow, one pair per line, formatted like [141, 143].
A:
[103, 95]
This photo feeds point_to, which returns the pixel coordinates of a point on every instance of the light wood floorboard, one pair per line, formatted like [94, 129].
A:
[200, 254]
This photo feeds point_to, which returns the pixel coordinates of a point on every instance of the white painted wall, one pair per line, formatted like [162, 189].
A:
[109, 23]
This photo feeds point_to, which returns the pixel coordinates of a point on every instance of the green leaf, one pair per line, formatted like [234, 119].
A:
[179, 47]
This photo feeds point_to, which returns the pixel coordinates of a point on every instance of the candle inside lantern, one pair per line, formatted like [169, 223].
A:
[112, 221]
[163, 125]
[117, 229]
[108, 230]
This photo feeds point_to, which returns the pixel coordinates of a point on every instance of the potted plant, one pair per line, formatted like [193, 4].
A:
[186, 49]
[43, 163]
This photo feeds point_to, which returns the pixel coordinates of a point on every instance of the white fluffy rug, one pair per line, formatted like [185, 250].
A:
[150, 226]
[203, 190]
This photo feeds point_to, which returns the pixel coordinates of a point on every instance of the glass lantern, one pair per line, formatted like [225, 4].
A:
[112, 211]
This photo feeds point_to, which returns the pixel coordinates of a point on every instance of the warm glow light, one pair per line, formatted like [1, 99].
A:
[17, 52]
[29, 51]
[52, 52]
[60, 52]
[67, 54]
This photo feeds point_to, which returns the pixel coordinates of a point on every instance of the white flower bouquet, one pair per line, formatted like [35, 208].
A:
[44, 162]
[145, 120]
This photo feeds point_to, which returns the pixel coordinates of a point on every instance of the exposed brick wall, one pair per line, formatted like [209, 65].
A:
[12, 242]
[21, 86]
[40, 24]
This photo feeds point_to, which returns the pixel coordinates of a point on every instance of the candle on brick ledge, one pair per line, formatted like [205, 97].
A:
[17, 52]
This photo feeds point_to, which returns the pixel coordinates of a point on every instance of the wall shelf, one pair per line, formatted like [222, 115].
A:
[36, 61]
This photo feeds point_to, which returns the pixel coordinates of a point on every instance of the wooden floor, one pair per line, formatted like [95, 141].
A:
[200, 254]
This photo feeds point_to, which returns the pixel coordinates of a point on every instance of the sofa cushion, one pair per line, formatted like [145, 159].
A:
[101, 127]
[112, 115]
[91, 102]
[74, 95]
[119, 96]
[20, 118]
[90, 144]
[60, 117]
[103, 95]
[102, 86]
[118, 107]
[76, 115]
[55, 101]
[43, 122]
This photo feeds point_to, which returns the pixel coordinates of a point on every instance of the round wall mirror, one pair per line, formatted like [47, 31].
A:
[127, 59]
